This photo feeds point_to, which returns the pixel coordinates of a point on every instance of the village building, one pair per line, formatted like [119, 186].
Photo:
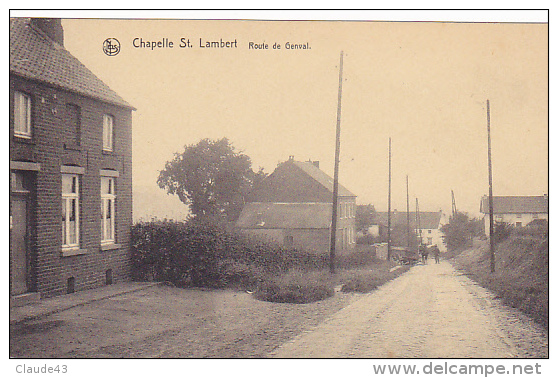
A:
[70, 152]
[517, 211]
[428, 224]
[292, 206]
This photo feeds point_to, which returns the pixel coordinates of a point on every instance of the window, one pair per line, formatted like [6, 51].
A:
[288, 240]
[108, 124]
[108, 198]
[22, 115]
[70, 211]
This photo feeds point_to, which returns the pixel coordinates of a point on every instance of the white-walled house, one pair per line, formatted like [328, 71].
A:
[430, 229]
[518, 211]
[428, 225]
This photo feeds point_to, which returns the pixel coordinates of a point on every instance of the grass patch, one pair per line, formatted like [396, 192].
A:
[300, 286]
[366, 280]
[296, 286]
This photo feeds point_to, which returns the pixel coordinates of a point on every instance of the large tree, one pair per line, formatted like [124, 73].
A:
[211, 177]
[460, 230]
[365, 217]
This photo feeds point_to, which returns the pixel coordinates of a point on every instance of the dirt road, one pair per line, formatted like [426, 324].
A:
[430, 312]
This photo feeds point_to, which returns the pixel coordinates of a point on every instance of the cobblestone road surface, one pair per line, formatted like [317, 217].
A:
[430, 312]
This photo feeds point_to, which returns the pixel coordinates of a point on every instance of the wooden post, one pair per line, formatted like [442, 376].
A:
[490, 199]
[408, 216]
[389, 204]
[453, 206]
[333, 237]
[417, 224]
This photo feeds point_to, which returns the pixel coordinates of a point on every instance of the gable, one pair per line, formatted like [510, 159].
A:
[294, 181]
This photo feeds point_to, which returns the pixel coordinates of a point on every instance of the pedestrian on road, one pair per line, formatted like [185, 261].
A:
[423, 253]
[436, 252]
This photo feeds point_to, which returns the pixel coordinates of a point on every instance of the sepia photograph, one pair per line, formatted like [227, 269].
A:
[254, 185]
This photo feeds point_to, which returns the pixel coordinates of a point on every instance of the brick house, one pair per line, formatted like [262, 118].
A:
[518, 211]
[70, 169]
[293, 206]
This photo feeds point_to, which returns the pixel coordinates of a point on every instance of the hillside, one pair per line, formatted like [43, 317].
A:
[522, 273]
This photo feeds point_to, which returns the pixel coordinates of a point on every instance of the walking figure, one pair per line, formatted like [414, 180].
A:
[423, 253]
[436, 252]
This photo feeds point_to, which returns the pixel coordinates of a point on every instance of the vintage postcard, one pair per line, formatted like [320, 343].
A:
[280, 187]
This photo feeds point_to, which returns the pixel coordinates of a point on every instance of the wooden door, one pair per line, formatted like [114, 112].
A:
[19, 245]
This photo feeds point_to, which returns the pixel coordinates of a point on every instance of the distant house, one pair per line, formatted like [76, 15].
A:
[293, 206]
[70, 168]
[515, 210]
[428, 225]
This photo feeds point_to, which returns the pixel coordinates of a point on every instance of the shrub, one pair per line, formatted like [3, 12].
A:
[361, 284]
[293, 293]
[360, 256]
[296, 286]
[367, 239]
[202, 254]
[502, 231]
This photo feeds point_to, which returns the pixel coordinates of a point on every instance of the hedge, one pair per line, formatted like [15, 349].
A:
[195, 253]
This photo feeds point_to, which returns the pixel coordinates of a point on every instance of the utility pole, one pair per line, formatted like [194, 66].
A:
[453, 207]
[490, 199]
[389, 204]
[408, 216]
[417, 222]
[333, 237]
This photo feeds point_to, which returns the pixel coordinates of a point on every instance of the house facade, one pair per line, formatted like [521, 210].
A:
[517, 211]
[293, 206]
[427, 223]
[70, 169]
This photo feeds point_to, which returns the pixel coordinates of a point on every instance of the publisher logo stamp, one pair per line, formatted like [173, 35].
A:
[111, 46]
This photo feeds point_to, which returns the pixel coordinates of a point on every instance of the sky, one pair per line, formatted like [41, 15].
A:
[424, 84]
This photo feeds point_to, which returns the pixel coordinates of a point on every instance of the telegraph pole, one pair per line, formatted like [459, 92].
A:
[417, 222]
[333, 237]
[490, 199]
[408, 216]
[389, 204]
[453, 206]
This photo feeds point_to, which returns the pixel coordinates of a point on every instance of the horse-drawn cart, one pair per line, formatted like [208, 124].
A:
[405, 256]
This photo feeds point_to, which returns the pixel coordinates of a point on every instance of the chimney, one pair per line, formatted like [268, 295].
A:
[52, 27]
[314, 163]
[291, 157]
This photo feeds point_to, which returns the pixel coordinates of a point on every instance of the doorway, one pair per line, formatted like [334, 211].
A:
[20, 234]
